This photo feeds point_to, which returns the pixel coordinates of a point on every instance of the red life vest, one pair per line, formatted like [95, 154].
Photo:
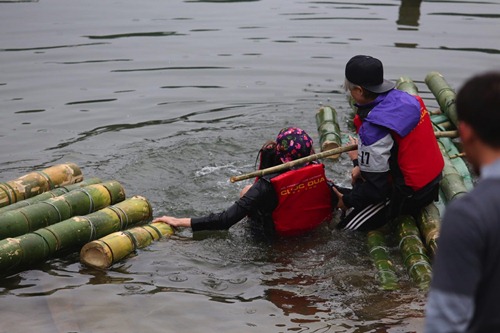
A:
[419, 157]
[304, 200]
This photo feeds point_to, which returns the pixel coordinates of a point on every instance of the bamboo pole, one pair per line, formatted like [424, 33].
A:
[310, 158]
[288, 165]
[78, 202]
[50, 194]
[37, 182]
[37, 246]
[386, 274]
[104, 252]
[446, 134]
[429, 225]
[444, 94]
[328, 129]
[412, 249]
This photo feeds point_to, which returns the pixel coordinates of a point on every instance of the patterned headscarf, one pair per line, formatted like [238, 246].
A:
[293, 143]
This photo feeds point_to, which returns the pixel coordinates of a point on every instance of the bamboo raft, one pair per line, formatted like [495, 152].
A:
[55, 209]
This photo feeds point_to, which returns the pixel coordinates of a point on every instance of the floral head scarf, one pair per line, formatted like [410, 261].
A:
[293, 143]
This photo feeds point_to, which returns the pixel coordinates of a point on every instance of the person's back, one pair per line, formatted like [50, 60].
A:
[304, 200]
[465, 286]
[469, 255]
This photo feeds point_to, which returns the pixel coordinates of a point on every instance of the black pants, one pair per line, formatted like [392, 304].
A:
[374, 216]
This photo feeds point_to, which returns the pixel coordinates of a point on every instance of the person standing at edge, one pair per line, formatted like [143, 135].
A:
[398, 164]
[287, 203]
[465, 286]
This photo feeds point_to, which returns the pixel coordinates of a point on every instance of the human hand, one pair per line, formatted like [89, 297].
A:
[174, 221]
[340, 204]
[355, 174]
[353, 154]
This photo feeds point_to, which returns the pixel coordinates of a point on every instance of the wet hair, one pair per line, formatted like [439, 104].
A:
[478, 104]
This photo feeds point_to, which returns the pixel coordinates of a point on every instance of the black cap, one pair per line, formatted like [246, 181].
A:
[367, 72]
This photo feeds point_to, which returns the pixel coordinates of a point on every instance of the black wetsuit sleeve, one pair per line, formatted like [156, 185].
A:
[260, 195]
[372, 189]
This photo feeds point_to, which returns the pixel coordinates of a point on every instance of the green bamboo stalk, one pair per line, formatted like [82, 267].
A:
[405, 83]
[452, 183]
[429, 223]
[44, 213]
[38, 246]
[50, 194]
[104, 252]
[412, 249]
[458, 162]
[37, 182]
[442, 121]
[328, 129]
[386, 274]
[444, 94]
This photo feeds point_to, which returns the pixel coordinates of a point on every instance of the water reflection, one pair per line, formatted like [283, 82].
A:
[128, 126]
[49, 47]
[172, 118]
[221, 1]
[136, 34]
[409, 14]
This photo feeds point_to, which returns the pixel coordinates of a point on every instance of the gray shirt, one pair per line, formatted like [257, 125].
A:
[465, 286]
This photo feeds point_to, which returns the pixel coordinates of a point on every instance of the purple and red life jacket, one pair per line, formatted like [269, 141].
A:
[406, 118]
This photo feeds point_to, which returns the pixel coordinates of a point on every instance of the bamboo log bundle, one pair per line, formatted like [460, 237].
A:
[37, 246]
[328, 129]
[452, 183]
[386, 274]
[412, 249]
[429, 224]
[444, 94]
[37, 182]
[50, 194]
[78, 202]
[104, 252]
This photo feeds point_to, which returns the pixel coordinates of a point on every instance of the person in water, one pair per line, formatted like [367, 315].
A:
[398, 164]
[288, 203]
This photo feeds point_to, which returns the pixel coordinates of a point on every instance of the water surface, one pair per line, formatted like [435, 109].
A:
[171, 98]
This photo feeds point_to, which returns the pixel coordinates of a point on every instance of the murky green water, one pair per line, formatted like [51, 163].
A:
[173, 97]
